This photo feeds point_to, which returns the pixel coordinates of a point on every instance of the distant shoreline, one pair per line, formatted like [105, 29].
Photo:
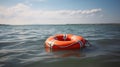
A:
[61, 24]
[4, 25]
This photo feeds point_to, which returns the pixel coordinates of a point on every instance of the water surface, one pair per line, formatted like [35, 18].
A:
[23, 46]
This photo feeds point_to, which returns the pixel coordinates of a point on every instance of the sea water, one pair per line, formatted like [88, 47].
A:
[23, 46]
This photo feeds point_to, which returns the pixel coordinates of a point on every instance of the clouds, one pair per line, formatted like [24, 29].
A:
[24, 14]
[79, 12]
[13, 10]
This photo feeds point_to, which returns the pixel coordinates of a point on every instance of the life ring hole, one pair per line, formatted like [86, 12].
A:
[60, 38]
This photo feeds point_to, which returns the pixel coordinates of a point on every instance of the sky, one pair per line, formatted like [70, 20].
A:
[22, 12]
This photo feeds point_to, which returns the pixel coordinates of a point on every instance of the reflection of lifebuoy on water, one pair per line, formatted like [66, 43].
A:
[68, 53]
[65, 42]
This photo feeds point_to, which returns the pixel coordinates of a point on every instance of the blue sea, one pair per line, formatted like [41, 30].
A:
[23, 46]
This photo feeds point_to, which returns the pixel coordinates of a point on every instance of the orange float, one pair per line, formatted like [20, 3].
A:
[65, 42]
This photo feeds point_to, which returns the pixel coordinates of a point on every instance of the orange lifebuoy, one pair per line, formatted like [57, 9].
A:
[65, 41]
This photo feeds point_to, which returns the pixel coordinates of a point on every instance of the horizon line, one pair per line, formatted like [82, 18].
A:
[62, 24]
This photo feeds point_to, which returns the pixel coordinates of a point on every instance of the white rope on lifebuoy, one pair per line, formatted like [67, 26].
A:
[67, 45]
[80, 42]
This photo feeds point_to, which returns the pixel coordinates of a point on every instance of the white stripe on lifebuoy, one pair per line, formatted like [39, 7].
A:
[51, 43]
[64, 36]
[81, 43]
